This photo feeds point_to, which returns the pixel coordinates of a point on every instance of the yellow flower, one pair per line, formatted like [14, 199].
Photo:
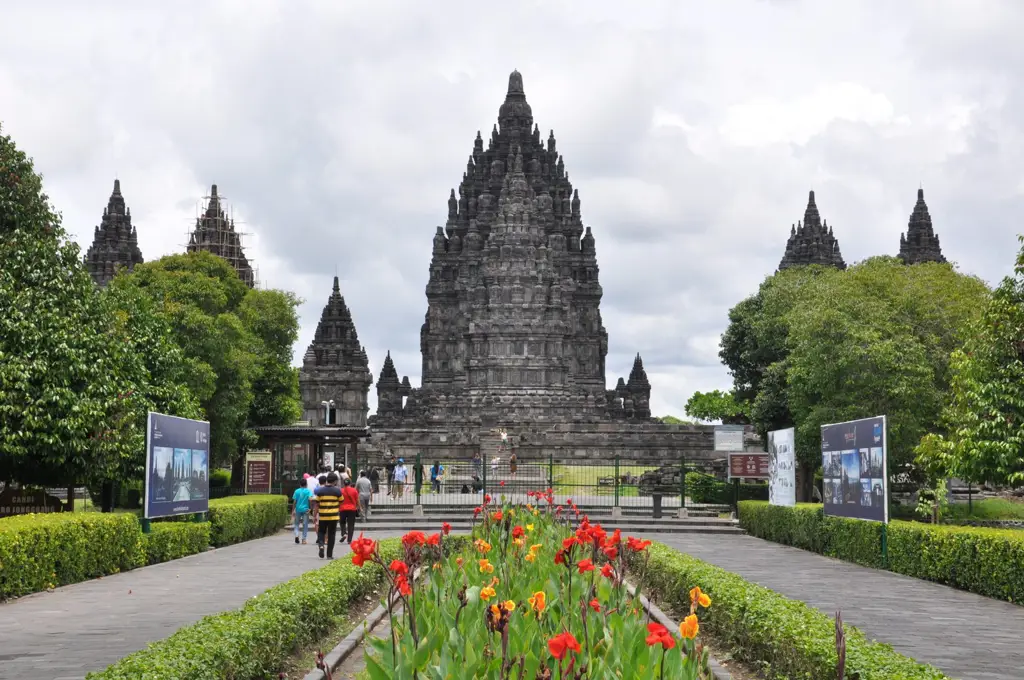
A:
[529, 507]
[487, 593]
[538, 601]
[689, 628]
[530, 557]
[697, 596]
[509, 606]
[511, 512]
[529, 528]
[536, 512]
[486, 567]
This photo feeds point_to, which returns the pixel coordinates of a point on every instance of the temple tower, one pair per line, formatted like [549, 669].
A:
[215, 233]
[812, 242]
[920, 243]
[335, 368]
[115, 243]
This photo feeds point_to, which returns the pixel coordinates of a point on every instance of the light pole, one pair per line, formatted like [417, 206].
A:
[328, 405]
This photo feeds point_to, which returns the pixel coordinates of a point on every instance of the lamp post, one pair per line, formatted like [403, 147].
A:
[328, 405]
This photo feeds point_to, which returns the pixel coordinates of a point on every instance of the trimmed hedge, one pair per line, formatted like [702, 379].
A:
[38, 552]
[254, 641]
[168, 541]
[795, 640]
[242, 518]
[979, 560]
[705, 488]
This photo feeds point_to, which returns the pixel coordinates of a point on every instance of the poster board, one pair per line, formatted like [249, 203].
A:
[259, 469]
[854, 463]
[782, 467]
[177, 466]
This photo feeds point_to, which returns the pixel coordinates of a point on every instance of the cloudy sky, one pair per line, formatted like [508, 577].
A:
[693, 132]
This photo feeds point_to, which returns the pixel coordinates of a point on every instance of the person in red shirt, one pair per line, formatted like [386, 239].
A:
[349, 510]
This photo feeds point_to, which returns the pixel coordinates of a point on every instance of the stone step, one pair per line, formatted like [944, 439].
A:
[653, 526]
[667, 520]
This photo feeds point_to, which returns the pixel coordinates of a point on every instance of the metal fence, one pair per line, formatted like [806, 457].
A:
[617, 482]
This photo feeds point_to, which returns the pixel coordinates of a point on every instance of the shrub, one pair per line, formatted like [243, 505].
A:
[253, 641]
[45, 551]
[242, 518]
[220, 478]
[705, 488]
[980, 560]
[172, 540]
[793, 639]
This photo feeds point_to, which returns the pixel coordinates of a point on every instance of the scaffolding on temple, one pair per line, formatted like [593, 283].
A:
[214, 232]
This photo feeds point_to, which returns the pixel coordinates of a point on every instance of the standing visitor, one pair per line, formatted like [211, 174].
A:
[310, 481]
[365, 488]
[389, 466]
[436, 470]
[401, 475]
[328, 503]
[375, 478]
[349, 508]
[513, 465]
[478, 464]
[300, 511]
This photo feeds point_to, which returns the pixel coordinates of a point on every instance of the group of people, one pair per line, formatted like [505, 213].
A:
[331, 500]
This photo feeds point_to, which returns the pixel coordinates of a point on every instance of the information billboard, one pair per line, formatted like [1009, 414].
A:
[782, 467]
[854, 465]
[177, 466]
[748, 466]
[729, 437]
[258, 471]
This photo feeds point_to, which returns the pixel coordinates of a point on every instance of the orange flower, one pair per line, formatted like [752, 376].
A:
[689, 627]
[520, 542]
[697, 596]
[509, 605]
[530, 557]
[482, 546]
[458, 561]
[538, 601]
[486, 567]
[487, 593]
[562, 643]
[658, 634]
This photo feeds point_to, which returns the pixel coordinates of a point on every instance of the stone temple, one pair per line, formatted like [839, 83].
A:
[215, 233]
[115, 243]
[513, 336]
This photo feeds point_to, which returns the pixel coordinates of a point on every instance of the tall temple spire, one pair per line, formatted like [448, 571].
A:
[115, 242]
[215, 233]
[812, 242]
[335, 366]
[920, 243]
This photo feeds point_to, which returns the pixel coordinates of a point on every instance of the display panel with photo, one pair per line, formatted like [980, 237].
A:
[853, 460]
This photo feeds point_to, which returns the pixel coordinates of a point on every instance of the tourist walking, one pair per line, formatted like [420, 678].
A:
[513, 465]
[436, 471]
[300, 511]
[365, 488]
[401, 476]
[310, 481]
[374, 476]
[478, 464]
[328, 504]
[349, 509]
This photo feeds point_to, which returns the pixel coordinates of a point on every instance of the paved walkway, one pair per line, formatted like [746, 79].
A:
[64, 634]
[967, 636]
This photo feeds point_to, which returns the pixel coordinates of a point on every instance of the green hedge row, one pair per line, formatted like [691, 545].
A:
[168, 541]
[254, 641]
[242, 518]
[793, 639]
[979, 560]
[38, 552]
[704, 488]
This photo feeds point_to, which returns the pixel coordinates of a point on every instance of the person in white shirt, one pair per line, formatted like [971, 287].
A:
[401, 476]
[310, 481]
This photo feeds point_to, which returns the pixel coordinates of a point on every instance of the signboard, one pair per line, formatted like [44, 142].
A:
[854, 464]
[258, 469]
[782, 467]
[748, 466]
[327, 460]
[729, 437]
[24, 501]
[177, 466]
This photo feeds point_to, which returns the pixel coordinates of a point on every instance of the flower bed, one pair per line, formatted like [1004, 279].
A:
[979, 560]
[533, 596]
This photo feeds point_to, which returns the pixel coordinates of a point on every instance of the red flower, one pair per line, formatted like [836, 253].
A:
[562, 643]
[496, 516]
[434, 539]
[607, 571]
[446, 528]
[517, 532]
[595, 605]
[560, 557]
[585, 565]
[414, 538]
[399, 567]
[501, 483]
[362, 550]
[570, 542]
[636, 544]
[487, 498]
[658, 634]
[611, 551]
[403, 586]
[476, 511]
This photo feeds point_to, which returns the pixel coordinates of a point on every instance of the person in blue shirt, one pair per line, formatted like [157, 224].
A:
[436, 471]
[300, 511]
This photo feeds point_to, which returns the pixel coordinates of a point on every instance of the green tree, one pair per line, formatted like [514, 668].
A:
[237, 344]
[985, 415]
[71, 394]
[716, 405]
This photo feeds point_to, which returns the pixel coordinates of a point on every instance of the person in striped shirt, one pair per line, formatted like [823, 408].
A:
[328, 502]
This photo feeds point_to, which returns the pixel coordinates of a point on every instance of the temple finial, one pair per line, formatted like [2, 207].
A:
[515, 84]
[337, 288]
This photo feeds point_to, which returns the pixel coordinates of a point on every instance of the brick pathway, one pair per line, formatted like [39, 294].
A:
[84, 627]
[967, 636]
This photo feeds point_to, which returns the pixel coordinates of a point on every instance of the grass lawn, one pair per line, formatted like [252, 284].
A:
[583, 479]
[985, 509]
